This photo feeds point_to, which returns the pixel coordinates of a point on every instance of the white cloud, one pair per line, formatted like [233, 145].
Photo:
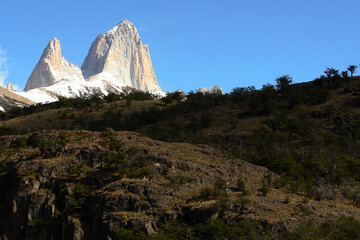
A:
[3, 68]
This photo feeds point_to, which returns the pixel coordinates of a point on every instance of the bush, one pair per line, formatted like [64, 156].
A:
[77, 202]
[240, 184]
[264, 189]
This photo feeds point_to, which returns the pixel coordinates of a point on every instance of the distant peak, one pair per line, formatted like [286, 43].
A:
[10, 87]
[122, 25]
[52, 50]
[54, 43]
[126, 23]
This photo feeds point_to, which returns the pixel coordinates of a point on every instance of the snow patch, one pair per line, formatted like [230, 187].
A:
[102, 83]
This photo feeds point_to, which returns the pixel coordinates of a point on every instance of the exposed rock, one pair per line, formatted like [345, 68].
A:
[213, 90]
[116, 60]
[52, 67]
[204, 90]
[121, 54]
[9, 99]
[69, 192]
[10, 87]
[216, 90]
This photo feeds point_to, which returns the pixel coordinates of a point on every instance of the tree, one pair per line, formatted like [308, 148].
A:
[283, 82]
[331, 72]
[352, 69]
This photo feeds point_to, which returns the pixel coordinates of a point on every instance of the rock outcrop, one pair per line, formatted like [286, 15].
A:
[10, 87]
[116, 60]
[52, 67]
[71, 191]
[121, 55]
[213, 90]
[84, 185]
[9, 99]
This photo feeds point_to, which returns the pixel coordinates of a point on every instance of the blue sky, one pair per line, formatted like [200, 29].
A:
[231, 43]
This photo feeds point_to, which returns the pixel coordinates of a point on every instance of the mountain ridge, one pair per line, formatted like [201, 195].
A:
[116, 60]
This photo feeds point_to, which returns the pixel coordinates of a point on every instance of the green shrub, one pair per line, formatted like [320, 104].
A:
[19, 143]
[240, 184]
[135, 232]
[264, 189]
[78, 201]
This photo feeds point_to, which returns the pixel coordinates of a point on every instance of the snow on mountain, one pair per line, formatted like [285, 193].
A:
[71, 88]
[120, 54]
[9, 99]
[115, 61]
[101, 84]
[52, 67]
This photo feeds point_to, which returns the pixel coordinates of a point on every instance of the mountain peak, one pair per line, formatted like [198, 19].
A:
[125, 21]
[120, 54]
[10, 87]
[124, 25]
[53, 49]
[52, 67]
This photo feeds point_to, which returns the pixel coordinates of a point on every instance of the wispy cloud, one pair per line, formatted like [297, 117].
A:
[3, 67]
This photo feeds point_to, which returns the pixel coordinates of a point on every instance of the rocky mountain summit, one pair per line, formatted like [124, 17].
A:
[117, 62]
[10, 87]
[52, 67]
[121, 54]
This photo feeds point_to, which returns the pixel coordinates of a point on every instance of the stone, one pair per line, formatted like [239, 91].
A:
[120, 54]
[52, 67]
[212, 90]
[10, 87]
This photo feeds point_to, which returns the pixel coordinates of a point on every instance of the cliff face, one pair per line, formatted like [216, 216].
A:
[115, 60]
[52, 67]
[10, 87]
[121, 54]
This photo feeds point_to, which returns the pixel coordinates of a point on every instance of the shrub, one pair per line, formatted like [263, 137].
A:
[264, 189]
[240, 184]
[78, 201]
[19, 143]
[134, 232]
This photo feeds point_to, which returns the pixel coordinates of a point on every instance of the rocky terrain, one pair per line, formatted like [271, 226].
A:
[9, 99]
[85, 185]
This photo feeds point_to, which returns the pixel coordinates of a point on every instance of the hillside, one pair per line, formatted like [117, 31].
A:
[282, 162]
[9, 99]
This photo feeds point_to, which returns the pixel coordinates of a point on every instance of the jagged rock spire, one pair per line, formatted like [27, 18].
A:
[10, 87]
[52, 67]
[120, 54]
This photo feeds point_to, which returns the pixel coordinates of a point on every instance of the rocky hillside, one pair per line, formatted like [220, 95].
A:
[9, 99]
[280, 162]
[88, 185]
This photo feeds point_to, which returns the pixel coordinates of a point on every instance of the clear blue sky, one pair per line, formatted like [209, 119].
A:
[192, 44]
